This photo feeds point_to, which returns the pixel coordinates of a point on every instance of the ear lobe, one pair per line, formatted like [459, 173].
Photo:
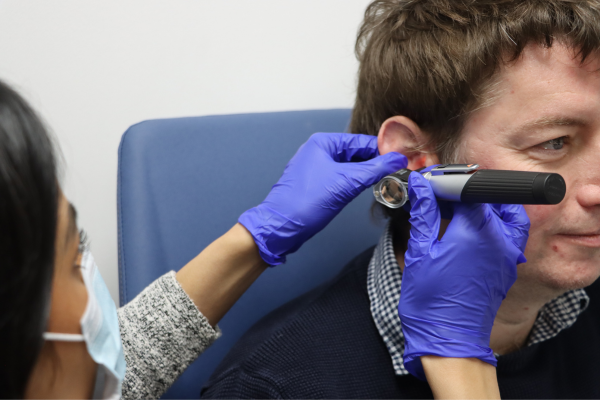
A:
[402, 135]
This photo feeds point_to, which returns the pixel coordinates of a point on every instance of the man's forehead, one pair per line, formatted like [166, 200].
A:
[545, 87]
[539, 65]
[536, 98]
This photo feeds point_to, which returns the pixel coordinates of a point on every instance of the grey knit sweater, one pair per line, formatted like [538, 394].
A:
[162, 332]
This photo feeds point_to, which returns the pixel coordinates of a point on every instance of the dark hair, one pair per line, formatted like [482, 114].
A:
[434, 61]
[28, 218]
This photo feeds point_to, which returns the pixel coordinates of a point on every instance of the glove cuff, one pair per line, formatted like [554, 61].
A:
[413, 364]
[274, 234]
[427, 338]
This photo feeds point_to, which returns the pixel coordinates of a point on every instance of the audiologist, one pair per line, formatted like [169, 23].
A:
[62, 334]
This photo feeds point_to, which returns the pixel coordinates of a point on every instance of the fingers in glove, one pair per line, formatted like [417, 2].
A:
[424, 216]
[468, 219]
[368, 173]
[475, 219]
[516, 223]
[346, 147]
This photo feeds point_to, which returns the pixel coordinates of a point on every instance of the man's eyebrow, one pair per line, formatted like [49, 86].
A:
[548, 122]
[72, 229]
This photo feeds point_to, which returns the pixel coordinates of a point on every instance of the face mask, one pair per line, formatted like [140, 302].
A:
[100, 328]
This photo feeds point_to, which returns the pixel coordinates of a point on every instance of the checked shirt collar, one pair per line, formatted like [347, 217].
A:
[384, 282]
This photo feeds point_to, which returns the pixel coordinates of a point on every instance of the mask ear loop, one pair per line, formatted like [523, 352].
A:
[64, 337]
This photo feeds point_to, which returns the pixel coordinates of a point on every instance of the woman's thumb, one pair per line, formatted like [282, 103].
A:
[516, 223]
[424, 215]
[377, 168]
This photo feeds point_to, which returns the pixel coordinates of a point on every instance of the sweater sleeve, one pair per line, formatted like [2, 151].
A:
[162, 332]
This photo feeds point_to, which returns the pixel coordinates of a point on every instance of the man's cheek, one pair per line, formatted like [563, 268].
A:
[540, 216]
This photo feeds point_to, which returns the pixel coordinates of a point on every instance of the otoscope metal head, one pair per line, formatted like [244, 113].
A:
[392, 191]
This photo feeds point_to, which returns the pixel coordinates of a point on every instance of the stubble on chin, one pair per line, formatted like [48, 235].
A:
[553, 270]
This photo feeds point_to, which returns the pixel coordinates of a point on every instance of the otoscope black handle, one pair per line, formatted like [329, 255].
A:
[513, 187]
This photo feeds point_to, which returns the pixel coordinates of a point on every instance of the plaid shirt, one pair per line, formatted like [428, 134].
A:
[385, 279]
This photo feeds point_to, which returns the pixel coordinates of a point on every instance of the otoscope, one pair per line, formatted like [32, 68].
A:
[469, 184]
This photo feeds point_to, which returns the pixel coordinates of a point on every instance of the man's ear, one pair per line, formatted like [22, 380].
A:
[402, 135]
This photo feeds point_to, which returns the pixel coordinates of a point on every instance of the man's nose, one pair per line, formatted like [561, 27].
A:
[588, 195]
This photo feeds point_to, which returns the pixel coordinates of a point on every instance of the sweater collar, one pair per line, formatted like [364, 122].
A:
[384, 280]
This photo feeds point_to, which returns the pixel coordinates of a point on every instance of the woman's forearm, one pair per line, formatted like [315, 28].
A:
[460, 378]
[217, 277]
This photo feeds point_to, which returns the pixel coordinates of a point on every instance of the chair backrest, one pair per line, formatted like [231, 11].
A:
[174, 198]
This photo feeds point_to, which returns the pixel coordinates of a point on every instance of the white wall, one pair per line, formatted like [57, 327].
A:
[93, 68]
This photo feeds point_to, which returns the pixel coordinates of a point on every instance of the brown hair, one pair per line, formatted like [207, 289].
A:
[433, 61]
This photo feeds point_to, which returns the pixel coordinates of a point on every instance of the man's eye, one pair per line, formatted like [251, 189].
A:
[554, 144]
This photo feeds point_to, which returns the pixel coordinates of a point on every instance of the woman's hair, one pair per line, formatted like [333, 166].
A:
[28, 219]
[434, 61]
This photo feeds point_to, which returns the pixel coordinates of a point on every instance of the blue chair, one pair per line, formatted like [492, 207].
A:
[174, 199]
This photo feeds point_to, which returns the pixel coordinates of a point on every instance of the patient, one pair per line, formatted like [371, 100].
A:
[511, 85]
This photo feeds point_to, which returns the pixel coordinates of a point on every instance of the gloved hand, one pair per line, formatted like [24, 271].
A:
[327, 172]
[452, 288]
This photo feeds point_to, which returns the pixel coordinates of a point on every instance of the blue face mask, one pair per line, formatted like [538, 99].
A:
[100, 332]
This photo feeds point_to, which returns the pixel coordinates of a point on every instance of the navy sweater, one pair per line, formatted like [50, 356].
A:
[324, 344]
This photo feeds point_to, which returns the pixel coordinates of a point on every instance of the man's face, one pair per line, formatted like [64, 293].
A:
[547, 118]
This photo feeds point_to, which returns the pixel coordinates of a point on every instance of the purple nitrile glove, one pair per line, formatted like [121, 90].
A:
[452, 288]
[325, 174]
